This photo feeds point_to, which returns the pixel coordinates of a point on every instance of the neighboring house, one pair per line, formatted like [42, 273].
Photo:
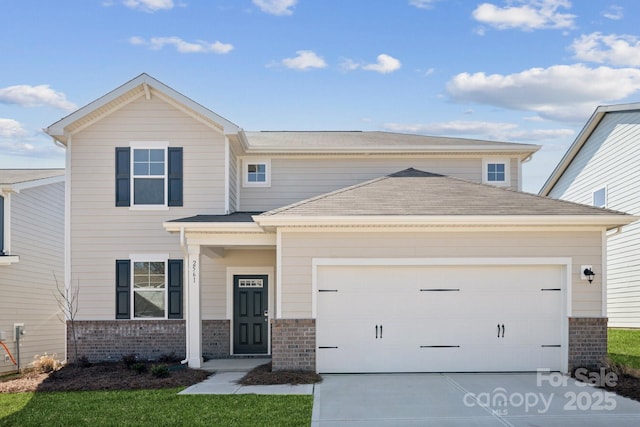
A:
[602, 168]
[31, 256]
[329, 251]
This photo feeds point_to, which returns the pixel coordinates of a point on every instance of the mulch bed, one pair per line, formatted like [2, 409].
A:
[102, 376]
[263, 375]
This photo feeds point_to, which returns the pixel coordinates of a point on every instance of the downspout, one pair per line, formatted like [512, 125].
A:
[186, 294]
[617, 231]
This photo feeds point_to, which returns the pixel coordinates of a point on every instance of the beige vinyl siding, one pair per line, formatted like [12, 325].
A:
[300, 248]
[295, 179]
[102, 232]
[27, 288]
[610, 158]
[213, 277]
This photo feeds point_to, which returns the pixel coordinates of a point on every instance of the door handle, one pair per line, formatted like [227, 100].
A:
[503, 330]
[380, 331]
[498, 330]
[376, 331]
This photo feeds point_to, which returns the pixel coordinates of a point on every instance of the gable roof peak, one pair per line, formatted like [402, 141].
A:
[414, 173]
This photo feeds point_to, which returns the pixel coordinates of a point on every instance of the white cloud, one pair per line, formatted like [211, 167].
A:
[386, 64]
[560, 92]
[149, 5]
[614, 13]
[305, 60]
[35, 96]
[10, 128]
[486, 130]
[611, 49]
[528, 16]
[199, 46]
[422, 4]
[276, 7]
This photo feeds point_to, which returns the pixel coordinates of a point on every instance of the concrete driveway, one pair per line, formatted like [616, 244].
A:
[450, 400]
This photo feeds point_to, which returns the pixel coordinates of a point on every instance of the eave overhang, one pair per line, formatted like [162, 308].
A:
[607, 222]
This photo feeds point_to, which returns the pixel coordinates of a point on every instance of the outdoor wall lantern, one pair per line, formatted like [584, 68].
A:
[588, 273]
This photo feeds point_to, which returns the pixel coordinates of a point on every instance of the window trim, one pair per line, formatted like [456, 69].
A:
[164, 258]
[606, 196]
[149, 145]
[256, 161]
[496, 160]
[6, 258]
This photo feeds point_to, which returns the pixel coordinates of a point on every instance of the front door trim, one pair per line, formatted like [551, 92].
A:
[249, 271]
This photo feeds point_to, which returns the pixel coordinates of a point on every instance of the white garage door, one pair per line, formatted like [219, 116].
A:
[438, 319]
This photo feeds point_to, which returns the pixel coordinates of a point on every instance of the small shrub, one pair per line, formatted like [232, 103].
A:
[140, 368]
[83, 362]
[129, 359]
[46, 363]
[168, 358]
[160, 371]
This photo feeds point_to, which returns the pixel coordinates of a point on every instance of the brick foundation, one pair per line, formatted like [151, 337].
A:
[216, 335]
[106, 340]
[293, 344]
[587, 342]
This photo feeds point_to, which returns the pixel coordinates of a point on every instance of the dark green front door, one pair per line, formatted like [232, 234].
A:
[250, 314]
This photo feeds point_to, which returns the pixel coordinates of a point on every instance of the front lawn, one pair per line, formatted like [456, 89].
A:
[152, 408]
[624, 347]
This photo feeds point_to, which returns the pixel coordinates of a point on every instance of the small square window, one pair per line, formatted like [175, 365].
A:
[496, 172]
[600, 198]
[257, 173]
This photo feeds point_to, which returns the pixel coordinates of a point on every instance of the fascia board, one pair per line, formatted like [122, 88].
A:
[608, 221]
[220, 227]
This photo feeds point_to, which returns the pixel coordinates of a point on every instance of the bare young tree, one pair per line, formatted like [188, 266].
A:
[67, 299]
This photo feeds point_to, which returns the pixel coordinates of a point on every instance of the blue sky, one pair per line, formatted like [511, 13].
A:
[528, 71]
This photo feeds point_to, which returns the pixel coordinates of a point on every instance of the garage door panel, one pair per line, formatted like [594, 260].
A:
[439, 318]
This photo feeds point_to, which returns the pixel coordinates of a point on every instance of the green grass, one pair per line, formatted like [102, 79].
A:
[152, 408]
[624, 347]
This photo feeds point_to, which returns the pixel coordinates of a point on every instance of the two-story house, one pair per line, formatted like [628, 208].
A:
[31, 260]
[328, 251]
[602, 168]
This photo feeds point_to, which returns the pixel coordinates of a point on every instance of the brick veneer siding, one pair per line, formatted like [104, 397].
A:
[106, 340]
[587, 342]
[216, 336]
[293, 344]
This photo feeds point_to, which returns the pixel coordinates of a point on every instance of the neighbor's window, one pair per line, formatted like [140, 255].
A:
[257, 173]
[149, 173]
[149, 286]
[600, 198]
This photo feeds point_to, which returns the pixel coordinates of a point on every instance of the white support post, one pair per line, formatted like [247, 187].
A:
[194, 322]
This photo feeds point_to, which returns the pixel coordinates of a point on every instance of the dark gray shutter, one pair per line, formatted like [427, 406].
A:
[174, 284]
[1, 225]
[123, 176]
[175, 176]
[123, 289]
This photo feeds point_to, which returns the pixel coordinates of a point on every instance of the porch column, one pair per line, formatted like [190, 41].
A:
[194, 322]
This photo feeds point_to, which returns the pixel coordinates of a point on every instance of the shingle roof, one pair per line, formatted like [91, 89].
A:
[234, 217]
[414, 192]
[18, 176]
[341, 141]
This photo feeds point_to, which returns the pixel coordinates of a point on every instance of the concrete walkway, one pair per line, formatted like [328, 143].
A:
[453, 400]
[227, 372]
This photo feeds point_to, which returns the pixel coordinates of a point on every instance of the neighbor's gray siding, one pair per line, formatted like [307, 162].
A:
[611, 158]
[233, 180]
[295, 179]
[27, 288]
